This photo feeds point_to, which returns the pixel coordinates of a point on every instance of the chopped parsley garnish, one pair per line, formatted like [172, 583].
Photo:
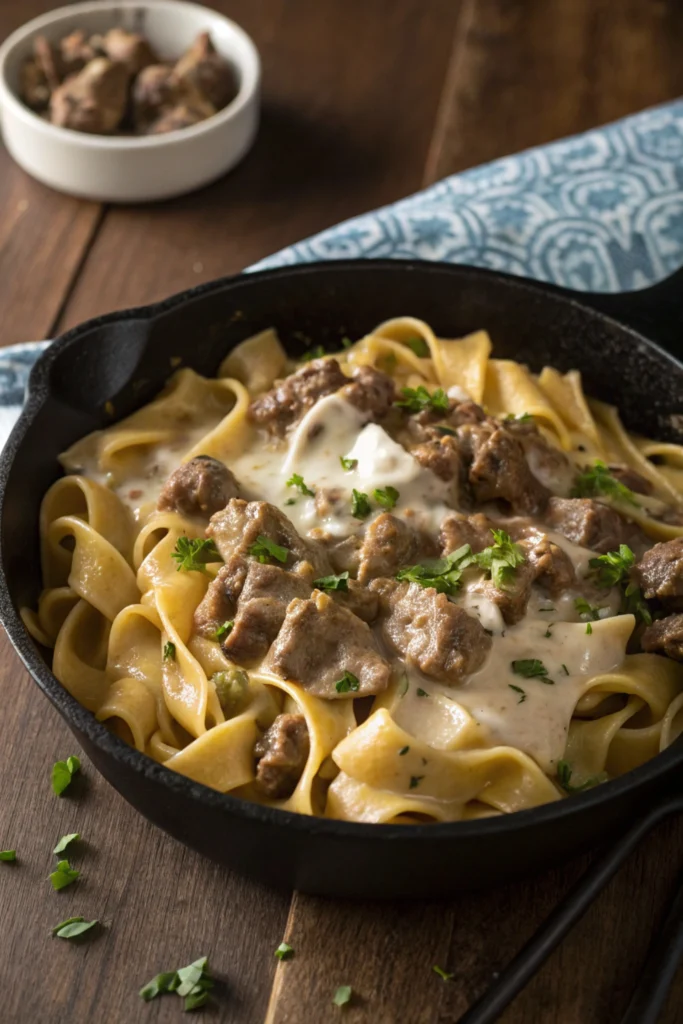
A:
[169, 651]
[612, 570]
[386, 497]
[194, 555]
[296, 480]
[518, 689]
[565, 669]
[547, 632]
[415, 780]
[523, 417]
[531, 668]
[265, 550]
[501, 559]
[66, 841]
[290, 501]
[417, 399]
[597, 481]
[443, 574]
[347, 683]
[73, 927]
[8, 855]
[347, 463]
[284, 951]
[564, 776]
[586, 611]
[63, 875]
[63, 773]
[419, 346]
[403, 750]
[421, 693]
[317, 352]
[346, 343]
[225, 629]
[360, 505]
[191, 983]
[343, 995]
[340, 582]
[444, 975]
[589, 627]
[446, 431]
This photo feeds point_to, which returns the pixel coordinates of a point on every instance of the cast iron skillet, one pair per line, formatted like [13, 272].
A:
[124, 358]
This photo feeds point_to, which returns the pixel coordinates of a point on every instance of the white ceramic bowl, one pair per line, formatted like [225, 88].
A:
[124, 169]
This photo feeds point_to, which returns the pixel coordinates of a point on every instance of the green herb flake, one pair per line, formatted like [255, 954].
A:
[444, 975]
[597, 480]
[419, 346]
[442, 574]
[66, 841]
[531, 668]
[191, 983]
[348, 464]
[415, 781]
[161, 983]
[73, 927]
[613, 570]
[317, 352]
[343, 995]
[547, 632]
[63, 875]
[586, 611]
[169, 651]
[565, 669]
[290, 501]
[419, 398]
[347, 683]
[523, 417]
[446, 431]
[501, 559]
[194, 555]
[296, 480]
[284, 951]
[403, 751]
[360, 505]
[340, 582]
[518, 689]
[225, 629]
[9, 856]
[265, 550]
[589, 628]
[63, 773]
[564, 777]
[421, 693]
[346, 342]
[386, 497]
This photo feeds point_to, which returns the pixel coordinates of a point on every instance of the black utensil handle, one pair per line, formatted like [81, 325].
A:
[656, 312]
[666, 953]
[533, 955]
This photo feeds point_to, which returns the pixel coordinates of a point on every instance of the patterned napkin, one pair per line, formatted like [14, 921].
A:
[602, 211]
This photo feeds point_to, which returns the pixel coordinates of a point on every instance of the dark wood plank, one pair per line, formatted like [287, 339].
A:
[161, 904]
[43, 235]
[524, 72]
[350, 93]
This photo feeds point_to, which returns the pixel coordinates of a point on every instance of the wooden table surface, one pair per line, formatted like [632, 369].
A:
[365, 101]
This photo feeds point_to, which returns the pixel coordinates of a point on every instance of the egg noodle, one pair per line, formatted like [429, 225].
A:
[420, 750]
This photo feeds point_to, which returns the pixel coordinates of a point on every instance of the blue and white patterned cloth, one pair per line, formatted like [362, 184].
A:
[602, 211]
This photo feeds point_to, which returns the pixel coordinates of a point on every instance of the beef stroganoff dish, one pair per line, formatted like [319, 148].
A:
[406, 582]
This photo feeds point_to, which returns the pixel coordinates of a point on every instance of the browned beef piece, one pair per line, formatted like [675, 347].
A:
[457, 529]
[500, 472]
[388, 544]
[549, 463]
[281, 755]
[343, 554]
[328, 500]
[220, 601]
[199, 487]
[630, 478]
[358, 599]
[279, 408]
[513, 598]
[467, 412]
[371, 391]
[665, 636]
[659, 573]
[552, 567]
[441, 455]
[319, 642]
[239, 525]
[431, 632]
[587, 522]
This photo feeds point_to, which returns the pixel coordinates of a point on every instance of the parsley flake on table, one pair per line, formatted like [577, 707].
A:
[343, 995]
[169, 651]
[265, 550]
[296, 480]
[340, 582]
[444, 975]
[419, 346]
[347, 464]
[66, 841]
[191, 983]
[360, 505]
[73, 927]
[419, 398]
[531, 668]
[63, 773]
[597, 481]
[284, 951]
[501, 559]
[194, 555]
[347, 683]
[518, 689]
[63, 875]
[443, 574]
[225, 629]
[8, 856]
[386, 497]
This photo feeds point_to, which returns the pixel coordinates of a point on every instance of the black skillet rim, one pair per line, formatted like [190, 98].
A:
[85, 722]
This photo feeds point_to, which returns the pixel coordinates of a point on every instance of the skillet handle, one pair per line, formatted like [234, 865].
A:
[655, 312]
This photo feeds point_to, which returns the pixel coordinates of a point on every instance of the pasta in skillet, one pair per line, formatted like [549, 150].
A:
[405, 582]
